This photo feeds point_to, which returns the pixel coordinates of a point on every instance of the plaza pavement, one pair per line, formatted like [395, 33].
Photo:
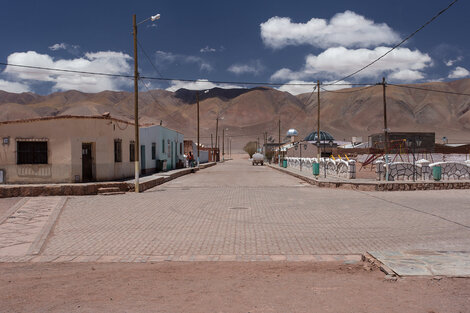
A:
[236, 211]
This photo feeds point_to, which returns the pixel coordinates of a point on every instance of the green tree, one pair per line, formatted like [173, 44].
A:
[250, 148]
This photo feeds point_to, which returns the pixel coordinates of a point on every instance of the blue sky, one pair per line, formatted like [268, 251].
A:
[257, 41]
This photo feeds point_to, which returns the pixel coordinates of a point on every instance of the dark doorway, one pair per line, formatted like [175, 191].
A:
[87, 163]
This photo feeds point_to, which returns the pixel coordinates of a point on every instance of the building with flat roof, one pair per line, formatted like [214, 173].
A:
[68, 149]
[398, 141]
[161, 148]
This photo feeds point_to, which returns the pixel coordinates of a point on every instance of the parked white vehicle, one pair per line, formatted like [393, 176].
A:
[258, 158]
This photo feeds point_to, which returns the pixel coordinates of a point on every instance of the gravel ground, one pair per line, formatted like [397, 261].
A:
[223, 287]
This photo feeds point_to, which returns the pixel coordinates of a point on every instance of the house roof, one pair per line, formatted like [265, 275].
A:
[99, 117]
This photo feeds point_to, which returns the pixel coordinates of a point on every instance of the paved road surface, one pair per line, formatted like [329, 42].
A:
[235, 211]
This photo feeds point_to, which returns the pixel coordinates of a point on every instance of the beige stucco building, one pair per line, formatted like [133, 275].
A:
[66, 149]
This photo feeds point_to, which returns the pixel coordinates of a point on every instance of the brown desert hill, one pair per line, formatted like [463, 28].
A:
[247, 113]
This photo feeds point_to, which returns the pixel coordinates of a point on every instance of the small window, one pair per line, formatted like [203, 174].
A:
[132, 151]
[154, 150]
[163, 146]
[117, 150]
[32, 152]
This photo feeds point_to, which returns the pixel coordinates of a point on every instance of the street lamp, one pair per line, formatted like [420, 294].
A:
[413, 144]
[198, 142]
[223, 142]
[217, 141]
[136, 99]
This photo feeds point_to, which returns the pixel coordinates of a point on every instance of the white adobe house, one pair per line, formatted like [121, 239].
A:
[66, 149]
[161, 148]
[74, 149]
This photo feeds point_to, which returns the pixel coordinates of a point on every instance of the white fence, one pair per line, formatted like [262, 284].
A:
[422, 170]
[338, 168]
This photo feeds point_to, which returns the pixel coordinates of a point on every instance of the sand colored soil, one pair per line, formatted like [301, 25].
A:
[222, 287]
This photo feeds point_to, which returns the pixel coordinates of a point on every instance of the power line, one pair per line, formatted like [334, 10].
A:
[400, 43]
[432, 90]
[66, 71]
[148, 58]
[172, 78]
[156, 102]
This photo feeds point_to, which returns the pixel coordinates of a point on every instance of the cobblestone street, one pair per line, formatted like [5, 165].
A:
[235, 211]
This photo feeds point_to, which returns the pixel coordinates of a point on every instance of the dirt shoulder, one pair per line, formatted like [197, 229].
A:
[222, 287]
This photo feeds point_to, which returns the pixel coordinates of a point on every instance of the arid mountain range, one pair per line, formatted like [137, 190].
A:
[247, 113]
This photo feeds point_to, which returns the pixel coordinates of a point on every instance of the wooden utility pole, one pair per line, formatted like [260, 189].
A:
[318, 122]
[217, 137]
[384, 84]
[223, 146]
[279, 152]
[198, 142]
[136, 108]
[212, 148]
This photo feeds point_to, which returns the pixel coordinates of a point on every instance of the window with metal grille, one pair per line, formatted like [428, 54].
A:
[31, 152]
[163, 146]
[132, 151]
[154, 150]
[117, 150]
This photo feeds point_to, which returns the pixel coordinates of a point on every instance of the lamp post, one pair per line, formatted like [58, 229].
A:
[305, 147]
[223, 143]
[217, 139]
[136, 99]
[413, 144]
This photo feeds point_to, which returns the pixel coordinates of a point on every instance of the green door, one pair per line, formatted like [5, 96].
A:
[142, 159]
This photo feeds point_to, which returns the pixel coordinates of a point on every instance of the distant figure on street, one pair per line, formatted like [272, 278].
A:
[190, 159]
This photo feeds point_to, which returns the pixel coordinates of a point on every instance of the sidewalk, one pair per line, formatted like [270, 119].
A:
[369, 184]
[80, 189]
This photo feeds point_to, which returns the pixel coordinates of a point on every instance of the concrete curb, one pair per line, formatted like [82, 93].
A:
[366, 257]
[38, 243]
[342, 258]
[82, 189]
[380, 186]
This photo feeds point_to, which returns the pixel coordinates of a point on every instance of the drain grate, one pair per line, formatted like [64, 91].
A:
[239, 208]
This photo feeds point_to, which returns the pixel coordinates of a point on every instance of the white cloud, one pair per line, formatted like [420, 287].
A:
[297, 89]
[453, 61]
[303, 88]
[254, 67]
[340, 61]
[58, 46]
[336, 85]
[73, 49]
[13, 86]
[407, 75]
[207, 49]
[344, 29]
[165, 58]
[459, 72]
[201, 84]
[103, 61]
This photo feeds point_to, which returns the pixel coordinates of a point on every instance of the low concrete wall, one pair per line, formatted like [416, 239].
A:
[7, 191]
[380, 186]
[81, 189]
